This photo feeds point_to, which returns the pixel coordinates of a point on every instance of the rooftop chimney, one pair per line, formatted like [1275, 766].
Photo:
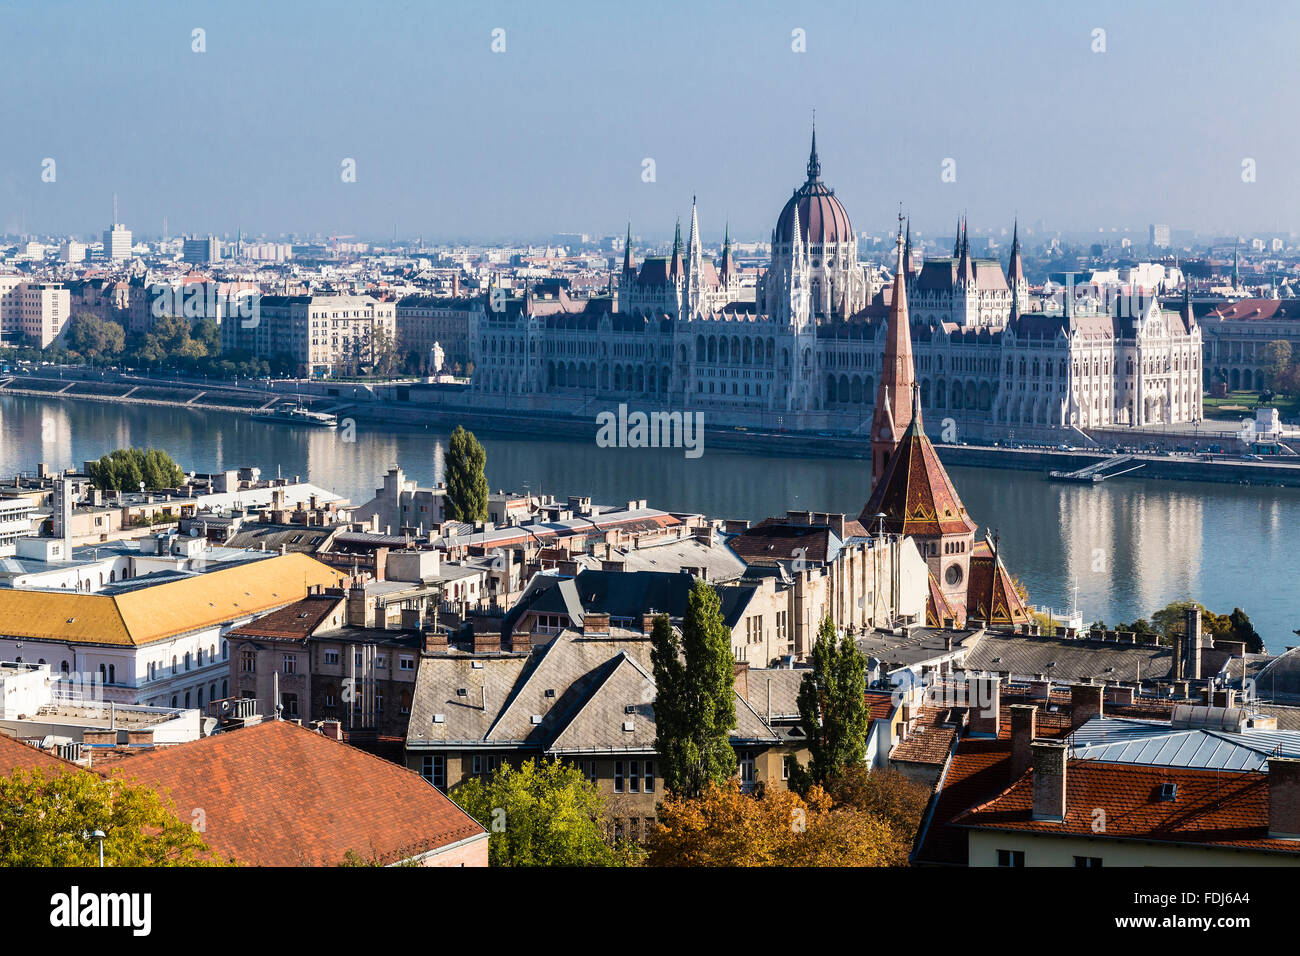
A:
[435, 641]
[1049, 757]
[741, 670]
[985, 701]
[1024, 726]
[1085, 703]
[1284, 798]
[1193, 622]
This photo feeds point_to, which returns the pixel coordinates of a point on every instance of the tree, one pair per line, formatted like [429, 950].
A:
[467, 487]
[94, 337]
[897, 800]
[832, 709]
[695, 695]
[125, 468]
[1243, 630]
[46, 819]
[1277, 360]
[385, 358]
[726, 827]
[543, 814]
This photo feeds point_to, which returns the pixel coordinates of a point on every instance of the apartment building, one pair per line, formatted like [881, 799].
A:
[426, 321]
[36, 311]
[322, 335]
[586, 698]
[157, 640]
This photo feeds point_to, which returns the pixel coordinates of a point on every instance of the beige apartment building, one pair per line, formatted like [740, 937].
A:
[323, 335]
[37, 310]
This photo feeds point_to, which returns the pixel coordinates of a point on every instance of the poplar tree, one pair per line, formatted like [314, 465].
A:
[695, 703]
[832, 709]
[467, 487]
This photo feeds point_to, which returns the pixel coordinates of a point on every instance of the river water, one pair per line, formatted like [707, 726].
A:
[1120, 549]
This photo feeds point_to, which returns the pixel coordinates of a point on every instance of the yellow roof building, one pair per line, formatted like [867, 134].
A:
[147, 614]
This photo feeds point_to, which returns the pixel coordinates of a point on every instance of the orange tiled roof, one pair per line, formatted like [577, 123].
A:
[16, 755]
[1212, 808]
[277, 794]
[929, 742]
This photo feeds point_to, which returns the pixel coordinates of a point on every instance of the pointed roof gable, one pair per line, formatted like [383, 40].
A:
[937, 607]
[991, 595]
[624, 695]
[915, 493]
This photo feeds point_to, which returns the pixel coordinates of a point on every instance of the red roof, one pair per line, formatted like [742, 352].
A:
[16, 755]
[915, 493]
[1211, 808]
[277, 794]
[1244, 309]
[991, 595]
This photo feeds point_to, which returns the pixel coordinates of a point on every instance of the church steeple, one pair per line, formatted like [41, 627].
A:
[628, 266]
[894, 403]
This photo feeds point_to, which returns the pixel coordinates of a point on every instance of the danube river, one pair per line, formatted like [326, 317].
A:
[1121, 549]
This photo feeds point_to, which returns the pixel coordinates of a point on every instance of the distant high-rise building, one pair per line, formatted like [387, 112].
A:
[201, 252]
[71, 251]
[1160, 236]
[117, 243]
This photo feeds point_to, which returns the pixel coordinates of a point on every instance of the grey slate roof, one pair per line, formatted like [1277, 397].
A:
[570, 696]
[1068, 660]
[569, 669]
[785, 683]
[601, 723]
[918, 645]
[465, 720]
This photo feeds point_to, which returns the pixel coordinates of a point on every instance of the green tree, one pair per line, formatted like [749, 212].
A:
[125, 468]
[1277, 360]
[46, 819]
[467, 487]
[208, 333]
[1243, 630]
[543, 814]
[832, 709]
[695, 696]
[94, 337]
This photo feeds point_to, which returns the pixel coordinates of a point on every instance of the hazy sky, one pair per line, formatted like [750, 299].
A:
[454, 141]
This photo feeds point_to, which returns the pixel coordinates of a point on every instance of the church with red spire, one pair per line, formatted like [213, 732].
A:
[913, 496]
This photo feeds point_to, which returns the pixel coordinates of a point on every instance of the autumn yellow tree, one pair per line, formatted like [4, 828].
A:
[726, 827]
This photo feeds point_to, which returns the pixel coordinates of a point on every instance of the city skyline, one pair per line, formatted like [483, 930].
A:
[1026, 112]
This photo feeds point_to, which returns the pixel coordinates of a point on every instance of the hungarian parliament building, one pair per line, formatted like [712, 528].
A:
[804, 353]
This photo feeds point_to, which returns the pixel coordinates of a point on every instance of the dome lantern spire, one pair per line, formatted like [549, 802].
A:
[814, 165]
